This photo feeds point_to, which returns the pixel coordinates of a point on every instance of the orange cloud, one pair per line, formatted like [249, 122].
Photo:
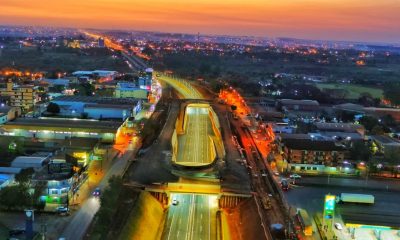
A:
[367, 20]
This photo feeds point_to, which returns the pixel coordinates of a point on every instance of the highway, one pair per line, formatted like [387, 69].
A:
[194, 217]
[194, 145]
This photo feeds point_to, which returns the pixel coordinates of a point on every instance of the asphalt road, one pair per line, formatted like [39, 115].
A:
[310, 196]
[194, 145]
[194, 217]
[79, 224]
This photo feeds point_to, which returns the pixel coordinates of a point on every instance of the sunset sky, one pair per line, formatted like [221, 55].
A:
[360, 20]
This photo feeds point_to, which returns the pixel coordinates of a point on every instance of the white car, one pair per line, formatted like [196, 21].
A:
[175, 202]
[295, 176]
[338, 226]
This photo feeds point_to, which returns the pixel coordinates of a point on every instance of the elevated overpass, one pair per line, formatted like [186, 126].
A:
[196, 141]
[184, 88]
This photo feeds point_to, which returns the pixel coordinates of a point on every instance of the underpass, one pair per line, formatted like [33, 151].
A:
[197, 139]
[192, 216]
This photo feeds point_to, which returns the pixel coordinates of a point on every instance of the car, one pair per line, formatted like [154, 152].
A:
[338, 226]
[175, 202]
[284, 185]
[295, 176]
[16, 232]
[97, 192]
[62, 210]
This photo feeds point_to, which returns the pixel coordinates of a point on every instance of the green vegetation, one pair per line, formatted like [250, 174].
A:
[145, 220]
[3, 232]
[353, 91]
[53, 108]
[109, 202]
[392, 92]
[60, 59]
[243, 68]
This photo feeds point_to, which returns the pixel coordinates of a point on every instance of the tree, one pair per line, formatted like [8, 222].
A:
[391, 92]
[53, 108]
[369, 122]
[108, 200]
[392, 156]
[24, 176]
[15, 197]
[361, 151]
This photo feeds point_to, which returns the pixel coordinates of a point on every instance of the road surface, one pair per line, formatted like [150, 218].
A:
[194, 145]
[194, 217]
[311, 198]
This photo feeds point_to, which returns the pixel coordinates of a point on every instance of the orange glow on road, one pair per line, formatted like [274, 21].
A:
[337, 19]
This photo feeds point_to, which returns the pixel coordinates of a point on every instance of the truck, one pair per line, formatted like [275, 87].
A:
[355, 198]
[305, 221]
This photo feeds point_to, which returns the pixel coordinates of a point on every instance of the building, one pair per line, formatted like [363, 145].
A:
[8, 113]
[55, 128]
[130, 90]
[63, 82]
[298, 105]
[340, 127]
[305, 154]
[7, 175]
[383, 112]
[36, 163]
[98, 107]
[23, 97]
[105, 74]
[146, 79]
[59, 183]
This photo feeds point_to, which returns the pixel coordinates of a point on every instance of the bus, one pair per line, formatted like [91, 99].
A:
[305, 221]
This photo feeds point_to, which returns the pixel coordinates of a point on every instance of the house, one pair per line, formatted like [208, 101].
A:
[7, 175]
[8, 113]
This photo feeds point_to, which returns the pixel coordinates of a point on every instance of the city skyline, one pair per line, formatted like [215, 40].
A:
[366, 21]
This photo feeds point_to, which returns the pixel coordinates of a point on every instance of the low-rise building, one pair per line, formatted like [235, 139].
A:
[8, 113]
[340, 127]
[36, 163]
[305, 154]
[98, 107]
[54, 128]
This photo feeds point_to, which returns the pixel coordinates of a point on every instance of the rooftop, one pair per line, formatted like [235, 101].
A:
[314, 145]
[385, 140]
[338, 127]
[299, 102]
[83, 125]
[98, 100]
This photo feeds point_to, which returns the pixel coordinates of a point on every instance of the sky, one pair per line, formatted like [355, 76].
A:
[354, 20]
